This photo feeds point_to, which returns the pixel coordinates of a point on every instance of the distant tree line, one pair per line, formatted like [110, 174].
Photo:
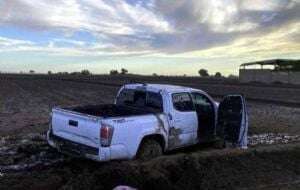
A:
[84, 72]
[116, 72]
[204, 73]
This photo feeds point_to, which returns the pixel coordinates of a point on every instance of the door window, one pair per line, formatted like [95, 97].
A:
[182, 102]
[202, 103]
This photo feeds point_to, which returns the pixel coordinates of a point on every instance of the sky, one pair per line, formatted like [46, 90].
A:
[169, 37]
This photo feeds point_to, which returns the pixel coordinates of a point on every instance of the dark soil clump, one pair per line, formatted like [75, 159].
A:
[228, 169]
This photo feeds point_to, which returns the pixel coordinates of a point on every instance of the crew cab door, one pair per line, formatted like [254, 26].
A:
[232, 122]
[183, 121]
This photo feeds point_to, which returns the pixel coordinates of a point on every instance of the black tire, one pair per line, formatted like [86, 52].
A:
[149, 149]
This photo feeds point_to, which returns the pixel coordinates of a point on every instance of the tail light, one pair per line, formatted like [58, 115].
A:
[106, 133]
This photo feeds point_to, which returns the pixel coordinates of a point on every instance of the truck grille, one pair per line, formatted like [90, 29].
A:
[73, 148]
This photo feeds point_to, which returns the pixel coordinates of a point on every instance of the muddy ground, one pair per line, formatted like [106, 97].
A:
[33, 165]
[26, 162]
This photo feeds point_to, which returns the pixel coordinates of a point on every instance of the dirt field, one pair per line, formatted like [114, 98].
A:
[27, 161]
[25, 105]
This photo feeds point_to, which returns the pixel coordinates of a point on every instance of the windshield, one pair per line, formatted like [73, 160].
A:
[140, 99]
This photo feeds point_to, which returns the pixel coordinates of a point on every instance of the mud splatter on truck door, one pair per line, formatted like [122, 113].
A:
[174, 139]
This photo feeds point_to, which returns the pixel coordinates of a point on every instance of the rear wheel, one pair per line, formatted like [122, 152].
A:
[149, 149]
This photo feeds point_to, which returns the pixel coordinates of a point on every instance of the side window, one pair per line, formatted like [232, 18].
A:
[140, 99]
[154, 100]
[200, 99]
[202, 102]
[126, 97]
[182, 102]
[132, 97]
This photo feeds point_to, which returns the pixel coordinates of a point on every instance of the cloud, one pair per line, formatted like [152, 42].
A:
[62, 42]
[276, 44]
[108, 17]
[150, 26]
[205, 24]
[66, 47]
[262, 5]
[8, 42]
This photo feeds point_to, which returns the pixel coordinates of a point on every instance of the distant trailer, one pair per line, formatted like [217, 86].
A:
[271, 71]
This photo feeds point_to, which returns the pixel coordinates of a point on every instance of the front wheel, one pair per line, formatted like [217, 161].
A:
[149, 149]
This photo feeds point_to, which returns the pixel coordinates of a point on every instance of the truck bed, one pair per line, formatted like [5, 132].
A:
[111, 110]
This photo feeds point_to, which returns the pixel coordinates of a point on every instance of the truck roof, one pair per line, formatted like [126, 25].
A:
[161, 87]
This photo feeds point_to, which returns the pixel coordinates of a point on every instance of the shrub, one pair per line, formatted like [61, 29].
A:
[203, 73]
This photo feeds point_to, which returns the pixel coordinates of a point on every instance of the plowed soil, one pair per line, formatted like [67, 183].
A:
[26, 162]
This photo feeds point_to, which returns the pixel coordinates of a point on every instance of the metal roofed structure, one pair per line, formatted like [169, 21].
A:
[284, 71]
[279, 64]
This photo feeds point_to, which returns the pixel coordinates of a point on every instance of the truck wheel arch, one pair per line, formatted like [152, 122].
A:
[157, 137]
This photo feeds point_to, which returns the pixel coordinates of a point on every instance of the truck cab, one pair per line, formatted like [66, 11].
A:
[147, 120]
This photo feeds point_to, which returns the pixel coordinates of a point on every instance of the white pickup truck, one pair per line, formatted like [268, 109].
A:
[145, 121]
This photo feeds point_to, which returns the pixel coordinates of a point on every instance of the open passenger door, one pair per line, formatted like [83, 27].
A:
[232, 122]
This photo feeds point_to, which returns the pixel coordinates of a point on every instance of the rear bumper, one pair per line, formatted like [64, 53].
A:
[76, 149]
